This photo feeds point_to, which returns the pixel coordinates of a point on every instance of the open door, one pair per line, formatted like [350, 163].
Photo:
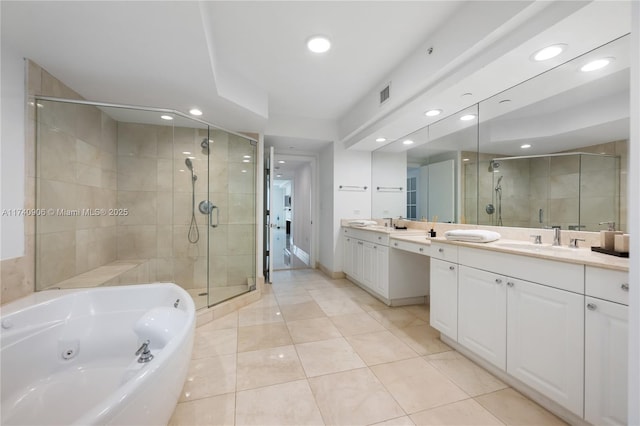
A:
[268, 208]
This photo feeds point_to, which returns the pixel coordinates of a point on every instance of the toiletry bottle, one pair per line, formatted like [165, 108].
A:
[607, 238]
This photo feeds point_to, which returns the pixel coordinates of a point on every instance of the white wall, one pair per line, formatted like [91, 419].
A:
[634, 226]
[325, 208]
[12, 146]
[389, 169]
[350, 168]
[302, 208]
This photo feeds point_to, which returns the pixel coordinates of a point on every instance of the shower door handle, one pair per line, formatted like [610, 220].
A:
[214, 225]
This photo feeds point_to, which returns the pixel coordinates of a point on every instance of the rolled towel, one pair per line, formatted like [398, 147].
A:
[362, 222]
[472, 235]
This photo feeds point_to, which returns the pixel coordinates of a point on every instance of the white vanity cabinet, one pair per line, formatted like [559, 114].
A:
[482, 314]
[606, 345]
[545, 341]
[444, 289]
[366, 260]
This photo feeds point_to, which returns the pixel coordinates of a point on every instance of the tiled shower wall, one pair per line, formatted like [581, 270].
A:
[76, 162]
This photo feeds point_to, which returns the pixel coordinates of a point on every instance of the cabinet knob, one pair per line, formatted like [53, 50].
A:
[361, 243]
[591, 306]
[441, 250]
[625, 286]
[509, 283]
[395, 244]
[375, 247]
[498, 281]
[452, 268]
[379, 238]
[421, 249]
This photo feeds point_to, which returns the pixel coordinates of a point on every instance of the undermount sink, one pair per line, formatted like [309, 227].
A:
[531, 246]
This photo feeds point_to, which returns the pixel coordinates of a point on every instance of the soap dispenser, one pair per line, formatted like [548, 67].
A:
[607, 238]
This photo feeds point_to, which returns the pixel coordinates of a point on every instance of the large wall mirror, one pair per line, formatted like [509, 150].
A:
[549, 152]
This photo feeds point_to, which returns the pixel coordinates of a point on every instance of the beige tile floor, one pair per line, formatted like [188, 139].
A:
[323, 352]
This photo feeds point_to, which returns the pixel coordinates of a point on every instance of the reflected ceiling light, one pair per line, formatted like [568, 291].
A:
[186, 152]
[467, 117]
[245, 161]
[278, 175]
[597, 64]
[192, 158]
[433, 112]
[281, 161]
[246, 156]
[195, 111]
[318, 44]
[525, 146]
[381, 140]
[465, 159]
[548, 52]
[244, 171]
[166, 117]
[407, 142]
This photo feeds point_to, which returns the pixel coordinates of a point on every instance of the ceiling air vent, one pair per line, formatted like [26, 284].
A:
[385, 93]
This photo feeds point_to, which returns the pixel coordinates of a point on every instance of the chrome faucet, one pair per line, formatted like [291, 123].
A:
[538, 239]
[574, 242]
[556, 237]
[144, 352]
[390, 219]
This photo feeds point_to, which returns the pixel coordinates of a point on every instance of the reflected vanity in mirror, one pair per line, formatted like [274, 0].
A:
[549, 152]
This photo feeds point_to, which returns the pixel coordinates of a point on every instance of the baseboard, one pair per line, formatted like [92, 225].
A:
[334, 275]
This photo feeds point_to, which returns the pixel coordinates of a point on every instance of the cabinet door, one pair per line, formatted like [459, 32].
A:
[357, 254]
[606, 343]
[444, 297]
[482, 314]
[347, 258]
[545, 341]
[381, 278]
[368, 265]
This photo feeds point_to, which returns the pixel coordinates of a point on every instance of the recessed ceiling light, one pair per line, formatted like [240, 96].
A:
[596, 65]
[381, 140]
[525, 146]
[433, 112]
[281, 161]
[318, 44]
[548, 52]
[407, 142]
[195, 111]
[166, 117]
[467, 117]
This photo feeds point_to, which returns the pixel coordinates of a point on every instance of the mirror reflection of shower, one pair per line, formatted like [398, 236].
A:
[194, 233]
[498, 190]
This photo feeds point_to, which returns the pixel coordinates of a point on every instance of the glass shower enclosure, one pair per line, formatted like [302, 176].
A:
[129, 195]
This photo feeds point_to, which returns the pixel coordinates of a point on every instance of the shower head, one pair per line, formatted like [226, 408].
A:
[493, 166]
[189, 164]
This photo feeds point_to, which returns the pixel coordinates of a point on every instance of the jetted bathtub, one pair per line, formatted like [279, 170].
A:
[69, 356]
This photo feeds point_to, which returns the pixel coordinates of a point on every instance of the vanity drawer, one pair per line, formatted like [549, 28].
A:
[446, 252]
[365, 235]
[607, 284]
[411, 247]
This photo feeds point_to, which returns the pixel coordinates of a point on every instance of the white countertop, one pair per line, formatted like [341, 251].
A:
[581, 256]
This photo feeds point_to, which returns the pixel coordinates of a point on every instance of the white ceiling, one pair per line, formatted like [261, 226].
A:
[240, 62]
[246, 66]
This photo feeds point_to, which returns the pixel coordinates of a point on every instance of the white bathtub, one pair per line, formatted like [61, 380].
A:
[68, 356]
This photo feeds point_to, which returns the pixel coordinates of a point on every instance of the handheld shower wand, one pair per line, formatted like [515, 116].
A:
[194, 233]
[498, 190]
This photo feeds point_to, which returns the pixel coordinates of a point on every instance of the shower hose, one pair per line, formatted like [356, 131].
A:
[194, 233]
